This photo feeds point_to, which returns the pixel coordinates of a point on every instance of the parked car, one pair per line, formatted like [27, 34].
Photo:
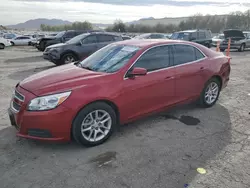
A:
[4, 43]
[217, 38]
[78, 47]
[201, 36]
[117, 84]
[21, 40]
[238, 40]
[36, 38]
[61, 37]
[151, 36]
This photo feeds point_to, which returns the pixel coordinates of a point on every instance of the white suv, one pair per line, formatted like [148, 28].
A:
[4, 42]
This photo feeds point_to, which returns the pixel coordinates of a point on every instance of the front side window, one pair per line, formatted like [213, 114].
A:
[154, 59]
[110, 58]
[90, 40]
[69, 34]
[194, 36]
[186, 54]
[202, 35]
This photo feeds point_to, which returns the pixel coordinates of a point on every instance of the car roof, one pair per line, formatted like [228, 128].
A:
[144, 43]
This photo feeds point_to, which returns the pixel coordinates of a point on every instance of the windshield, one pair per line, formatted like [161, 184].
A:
[77, 39]
[59, 35]
[110, 58]
[180, 36]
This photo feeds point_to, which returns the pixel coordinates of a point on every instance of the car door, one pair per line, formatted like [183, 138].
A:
[88, 46]
[25, 40]
[155, 90]
[191, 71]
[18, 41]
[104, 40]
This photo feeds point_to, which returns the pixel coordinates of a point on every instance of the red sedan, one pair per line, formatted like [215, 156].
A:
[118, 84]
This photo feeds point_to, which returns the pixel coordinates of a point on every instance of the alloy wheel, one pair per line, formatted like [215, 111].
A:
[69, 59]
[96, 125]
[211, 93]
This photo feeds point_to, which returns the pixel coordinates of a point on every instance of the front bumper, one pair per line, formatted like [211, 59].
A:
[52, 125]
[232, 46]
[51, 57]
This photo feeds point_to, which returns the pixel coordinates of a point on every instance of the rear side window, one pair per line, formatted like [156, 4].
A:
[157, 36]
[154, 59]
[208, 34]
[194, 35]
[198, 54]
[105, 38]
[185, 54]
[202, 35]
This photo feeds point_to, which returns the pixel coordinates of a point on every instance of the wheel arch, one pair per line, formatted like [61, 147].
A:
[109, 102]
[218, 77]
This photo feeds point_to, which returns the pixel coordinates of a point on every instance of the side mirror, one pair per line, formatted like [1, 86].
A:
[137, 71]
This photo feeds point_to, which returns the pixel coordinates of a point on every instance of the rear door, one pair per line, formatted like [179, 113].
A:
[104, 40]
[144, 94]
[191, 71]
[88, 46]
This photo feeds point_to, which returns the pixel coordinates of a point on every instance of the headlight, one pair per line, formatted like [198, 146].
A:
[48, 102]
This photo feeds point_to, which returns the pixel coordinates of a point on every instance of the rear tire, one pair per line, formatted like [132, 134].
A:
[210, 93]
[242, 48]
[88, 128]
[2, 46]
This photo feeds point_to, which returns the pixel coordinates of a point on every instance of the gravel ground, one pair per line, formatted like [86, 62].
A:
[164, 150]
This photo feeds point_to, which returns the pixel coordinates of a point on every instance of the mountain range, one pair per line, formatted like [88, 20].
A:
[35, 23]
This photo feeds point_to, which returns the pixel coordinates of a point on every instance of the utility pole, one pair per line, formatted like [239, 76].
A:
[248, 19]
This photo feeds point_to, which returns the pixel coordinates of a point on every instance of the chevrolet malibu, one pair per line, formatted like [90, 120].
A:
[117, 84]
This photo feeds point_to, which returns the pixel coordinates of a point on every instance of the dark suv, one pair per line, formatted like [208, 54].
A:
[61, 37]
[79, 47]
[203, 36]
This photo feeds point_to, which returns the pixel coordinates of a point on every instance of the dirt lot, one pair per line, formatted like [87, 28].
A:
[161, 151]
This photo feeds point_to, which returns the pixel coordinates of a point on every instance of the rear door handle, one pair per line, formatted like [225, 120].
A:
[202, 68]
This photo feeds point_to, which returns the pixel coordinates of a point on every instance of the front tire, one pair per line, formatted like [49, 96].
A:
[68, 58]
[210, 93]
[242, 48]
[2, 46]
[94, 124]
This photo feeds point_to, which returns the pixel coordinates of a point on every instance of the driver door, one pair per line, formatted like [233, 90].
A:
[153, 91]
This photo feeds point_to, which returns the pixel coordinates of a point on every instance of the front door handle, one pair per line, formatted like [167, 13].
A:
[169, 78]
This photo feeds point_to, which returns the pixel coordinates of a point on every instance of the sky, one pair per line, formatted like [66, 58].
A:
[107, 11]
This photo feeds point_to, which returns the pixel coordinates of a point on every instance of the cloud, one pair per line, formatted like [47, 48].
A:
[106, 11]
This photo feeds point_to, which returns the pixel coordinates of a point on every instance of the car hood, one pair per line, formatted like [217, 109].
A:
[59, 79]
[233, 33]
[57, 45]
